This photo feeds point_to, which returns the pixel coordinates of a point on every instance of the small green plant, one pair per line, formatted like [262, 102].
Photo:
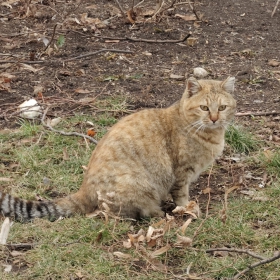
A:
[240, 140]
[60, 41]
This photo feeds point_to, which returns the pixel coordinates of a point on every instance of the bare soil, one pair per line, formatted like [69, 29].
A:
[232, 38]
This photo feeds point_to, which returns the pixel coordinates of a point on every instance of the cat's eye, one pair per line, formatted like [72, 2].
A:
[204, 108]
[222, 107]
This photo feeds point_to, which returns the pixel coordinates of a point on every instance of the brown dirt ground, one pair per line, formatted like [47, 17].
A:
[234, 38]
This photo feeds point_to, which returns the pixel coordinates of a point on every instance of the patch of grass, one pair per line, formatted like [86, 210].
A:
[241, 140]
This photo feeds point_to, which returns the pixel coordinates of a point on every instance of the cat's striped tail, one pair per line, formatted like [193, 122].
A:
[23, 210]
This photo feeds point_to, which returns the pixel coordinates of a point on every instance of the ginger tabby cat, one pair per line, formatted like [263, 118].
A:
[145, 157]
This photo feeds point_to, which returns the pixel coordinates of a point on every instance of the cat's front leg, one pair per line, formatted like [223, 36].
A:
[180, 194]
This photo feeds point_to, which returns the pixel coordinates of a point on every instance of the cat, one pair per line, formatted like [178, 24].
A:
[145, 157]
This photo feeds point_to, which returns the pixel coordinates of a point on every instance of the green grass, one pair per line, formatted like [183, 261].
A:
[241, 140]
[44, 163]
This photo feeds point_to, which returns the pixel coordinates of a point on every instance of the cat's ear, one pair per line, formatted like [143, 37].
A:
[228, 84]
[193, 87]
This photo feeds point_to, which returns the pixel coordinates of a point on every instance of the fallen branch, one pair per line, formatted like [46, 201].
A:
[144, 40]
[257, 113]
[264, 261]
[248, 252]
[99, 51]
[275, 8]
[63, 132]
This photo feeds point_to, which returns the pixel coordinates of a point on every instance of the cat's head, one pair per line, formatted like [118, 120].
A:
[208, 104]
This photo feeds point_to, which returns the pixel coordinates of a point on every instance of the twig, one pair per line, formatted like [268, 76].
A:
[264, 261]
[23, 61]
[145, 40]
[248, 252]
[275, 8]
[99, 51]
[257, 113]
[51, 38]
[63, 132]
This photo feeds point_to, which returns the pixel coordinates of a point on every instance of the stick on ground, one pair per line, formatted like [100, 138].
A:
[63, 132]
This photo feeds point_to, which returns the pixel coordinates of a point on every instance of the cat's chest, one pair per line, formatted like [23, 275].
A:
[197, 152]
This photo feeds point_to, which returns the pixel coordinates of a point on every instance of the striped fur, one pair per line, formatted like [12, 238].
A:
[145, 157]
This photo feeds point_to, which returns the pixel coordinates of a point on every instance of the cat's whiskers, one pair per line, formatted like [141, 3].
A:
[193, 125]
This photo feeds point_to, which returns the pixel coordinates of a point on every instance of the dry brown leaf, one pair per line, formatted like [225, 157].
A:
[127, 244]
[30, 68]
[179, 210]
[177, 77]
[183, 241]
[149, 233]
[91, 132]
[55, 121]
[16, 253]
[207, 190]
[160, 251]
[186, 17]
[5, 179]
[121, 255]
[80, 90]
[193, 207]
[191, 41]
[185, 225]
[273, 63]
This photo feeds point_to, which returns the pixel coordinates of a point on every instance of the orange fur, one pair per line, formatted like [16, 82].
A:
[150, 154]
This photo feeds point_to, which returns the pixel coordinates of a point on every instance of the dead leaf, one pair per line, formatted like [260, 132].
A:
[160, 251]
[127, 244]
[273, 63]
[16, 253]
[5, 179]
[149, 233]
[55, 121]
[191, 41]
[185, 225]
[37, 89]
[80, 90]
[8, 267]
[207, 190]
[179, 210]
[31, 68]
[183, 241]
[121, 255]
[91, 132]
[177, 77]
[186, 17]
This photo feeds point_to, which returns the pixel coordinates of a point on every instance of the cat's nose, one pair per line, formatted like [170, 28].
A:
[213, 117]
